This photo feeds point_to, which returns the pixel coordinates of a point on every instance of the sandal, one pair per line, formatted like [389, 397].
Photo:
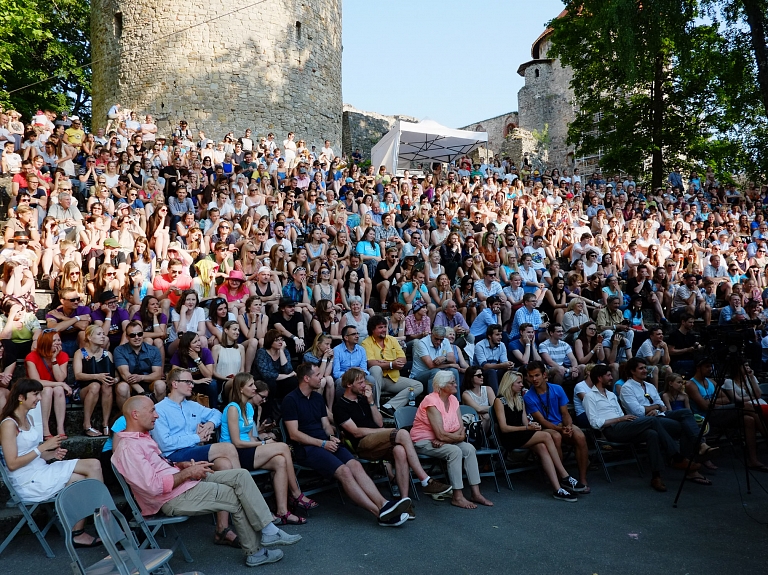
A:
[220, 538]
[761, 468]
[286, 519]
[91, 432]
[699, 480]
[302, 502]
[95, 543]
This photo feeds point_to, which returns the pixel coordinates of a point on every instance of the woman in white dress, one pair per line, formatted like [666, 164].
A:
[27, 459]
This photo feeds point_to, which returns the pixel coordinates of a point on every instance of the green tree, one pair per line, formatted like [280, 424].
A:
[44, 55]
[647, 81]
[743, 124]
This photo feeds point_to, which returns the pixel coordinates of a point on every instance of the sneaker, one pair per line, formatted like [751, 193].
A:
[280, 538]
[564, 495]
[573, 485]
[395, 521]
[394, 509]
[269, 556]
[411, 513]
[436, 488]
[387, 411]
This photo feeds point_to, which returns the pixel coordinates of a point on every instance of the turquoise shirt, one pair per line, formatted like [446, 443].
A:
[245, 430]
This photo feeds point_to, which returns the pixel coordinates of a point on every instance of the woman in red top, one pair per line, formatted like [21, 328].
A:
[235, 292]
[48, 364]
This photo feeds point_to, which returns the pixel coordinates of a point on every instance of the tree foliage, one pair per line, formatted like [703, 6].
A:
[654, 85]
[45, 41]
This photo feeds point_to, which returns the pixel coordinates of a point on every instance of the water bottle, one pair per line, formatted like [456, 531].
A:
[411, 397]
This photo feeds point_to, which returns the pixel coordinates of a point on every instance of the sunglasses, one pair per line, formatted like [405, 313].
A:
[74, 299]
[136, 334]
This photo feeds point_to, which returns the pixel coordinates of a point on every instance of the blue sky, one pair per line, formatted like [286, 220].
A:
[443, 60]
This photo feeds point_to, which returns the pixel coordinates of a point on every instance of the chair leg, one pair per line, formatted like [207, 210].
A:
[602, 461]
[637, 459]
[27, 519]
[179, 543]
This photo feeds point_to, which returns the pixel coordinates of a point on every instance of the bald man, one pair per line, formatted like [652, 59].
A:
[193, 488]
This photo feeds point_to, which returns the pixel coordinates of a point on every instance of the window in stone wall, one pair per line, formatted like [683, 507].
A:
[298, 31]
[536, 72]
[118, 24]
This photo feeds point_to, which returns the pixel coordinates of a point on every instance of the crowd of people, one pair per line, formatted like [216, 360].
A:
[289, 286]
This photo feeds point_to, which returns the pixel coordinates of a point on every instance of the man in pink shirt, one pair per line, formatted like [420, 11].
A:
[168, 287]
[193, 488]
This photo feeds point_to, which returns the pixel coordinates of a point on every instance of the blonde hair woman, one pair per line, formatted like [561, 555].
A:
[517, 432]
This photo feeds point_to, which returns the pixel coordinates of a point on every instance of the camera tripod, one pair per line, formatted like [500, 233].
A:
[729, 367]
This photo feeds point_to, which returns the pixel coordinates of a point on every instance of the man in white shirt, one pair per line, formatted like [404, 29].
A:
[655, 352]
[642, 399]
[559, 357]
[327, 151]
[278, 239]
[148, 130]
[604, 413]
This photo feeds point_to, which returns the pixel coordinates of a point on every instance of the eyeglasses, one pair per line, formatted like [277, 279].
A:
[189, 381]
[49, 330]
[136, 334]
[262, 396]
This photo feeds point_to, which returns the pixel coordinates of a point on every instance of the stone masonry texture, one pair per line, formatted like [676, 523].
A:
[364, 129]
[274, 67]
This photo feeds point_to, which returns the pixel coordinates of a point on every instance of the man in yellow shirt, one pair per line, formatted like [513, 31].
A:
[74, 135]
[385, 360]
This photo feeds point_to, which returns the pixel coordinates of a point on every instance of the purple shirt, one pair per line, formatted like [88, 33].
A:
[71, 331]
[115, 332]
[162, 317]
[205, 355]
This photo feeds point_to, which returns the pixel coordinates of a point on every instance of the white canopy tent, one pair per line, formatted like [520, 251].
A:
[425, 142]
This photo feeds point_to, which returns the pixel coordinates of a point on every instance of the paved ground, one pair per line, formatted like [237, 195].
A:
[621, 528]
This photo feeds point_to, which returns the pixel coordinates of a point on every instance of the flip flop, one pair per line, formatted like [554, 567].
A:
[91, 432]
[95, 543]
[699, 480]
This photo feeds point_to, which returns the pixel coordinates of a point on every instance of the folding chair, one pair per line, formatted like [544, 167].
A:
[325, 484]
[27, 508]
[485, 447]
[507, 467]
[380, 464]
[599, 442]
[77, 501]
[113, 529]
[404, 417]
[152, 524]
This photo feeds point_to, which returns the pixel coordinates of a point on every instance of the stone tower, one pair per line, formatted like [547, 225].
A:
[548, 99]
[275, 66]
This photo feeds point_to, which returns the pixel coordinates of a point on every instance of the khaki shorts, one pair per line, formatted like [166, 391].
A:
[378, 445]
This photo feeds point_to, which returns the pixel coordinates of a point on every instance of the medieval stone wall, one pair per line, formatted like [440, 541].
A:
[273, 67]
[498, 128]
[364, 129]
[546, 99]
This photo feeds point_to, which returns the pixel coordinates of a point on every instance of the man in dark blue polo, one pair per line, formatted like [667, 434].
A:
[306, 422]
[139, 366]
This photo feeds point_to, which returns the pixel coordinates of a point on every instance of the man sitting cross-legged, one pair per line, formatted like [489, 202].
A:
[548, 405]
[183, 427]
[192, 487]
[306, 421]
[604, 413]
[357, 415]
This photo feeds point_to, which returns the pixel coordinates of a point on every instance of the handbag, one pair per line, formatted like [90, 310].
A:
[474, 429]
[201, 398]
